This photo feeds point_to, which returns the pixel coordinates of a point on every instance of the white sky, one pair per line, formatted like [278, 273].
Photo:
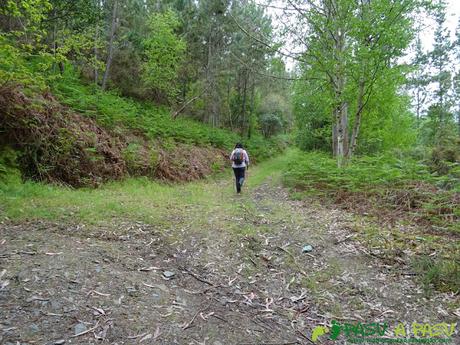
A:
[453, 12]
[452, 17]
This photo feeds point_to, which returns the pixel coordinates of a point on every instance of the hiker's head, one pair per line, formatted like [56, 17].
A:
[238, 146]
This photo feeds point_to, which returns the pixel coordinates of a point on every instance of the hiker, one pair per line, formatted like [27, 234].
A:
[240, 161]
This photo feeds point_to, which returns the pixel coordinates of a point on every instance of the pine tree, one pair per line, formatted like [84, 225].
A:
[440, 112]
[456, 79]
[419, 79]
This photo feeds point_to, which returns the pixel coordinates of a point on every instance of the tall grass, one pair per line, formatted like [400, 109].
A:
[318, 171]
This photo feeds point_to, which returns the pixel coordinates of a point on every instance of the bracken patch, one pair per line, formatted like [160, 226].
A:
[60, 146]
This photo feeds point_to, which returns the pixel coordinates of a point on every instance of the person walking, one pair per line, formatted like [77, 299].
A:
[240, 161]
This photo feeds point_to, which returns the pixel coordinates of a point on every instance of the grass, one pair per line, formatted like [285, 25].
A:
[439, 273]
[132, 199]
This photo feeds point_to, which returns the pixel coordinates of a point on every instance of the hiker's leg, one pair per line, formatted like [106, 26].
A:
[238, 183]
[237, 178]
[241, 179]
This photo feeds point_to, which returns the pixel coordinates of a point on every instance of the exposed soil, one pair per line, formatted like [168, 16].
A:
[241, 278]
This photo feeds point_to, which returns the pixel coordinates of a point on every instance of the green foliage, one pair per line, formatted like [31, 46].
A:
[16, 67]
[270, 124]
[8, 165]
[164, 51]
[26, 16]
[350, 70]
[442, 274]
[388, 182]
[312, 113]
[120, 114]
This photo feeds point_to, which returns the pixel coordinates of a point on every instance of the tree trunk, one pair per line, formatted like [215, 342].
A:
[334, 137]
[110, 51]
[96, 71]
[253, 88]
[340, 123]
[243, 103]
[357, 124]
[54, 42]
[342, 133]
[212, 95]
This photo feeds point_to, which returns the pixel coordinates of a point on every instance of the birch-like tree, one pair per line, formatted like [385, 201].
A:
[350, 45]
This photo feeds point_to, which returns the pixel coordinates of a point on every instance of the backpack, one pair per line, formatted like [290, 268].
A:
[238, 157]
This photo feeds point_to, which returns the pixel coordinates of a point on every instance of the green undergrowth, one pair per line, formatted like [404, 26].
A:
[155, 122]
[393, 190]
[397, 186]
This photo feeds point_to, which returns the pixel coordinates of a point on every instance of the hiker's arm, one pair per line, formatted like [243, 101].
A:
[246, 158]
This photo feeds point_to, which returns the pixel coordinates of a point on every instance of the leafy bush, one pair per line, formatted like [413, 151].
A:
[270, 124]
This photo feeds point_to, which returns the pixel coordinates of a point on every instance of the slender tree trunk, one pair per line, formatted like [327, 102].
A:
[253, 88]
[54, 42]
[340, 125]
[243, 104]
[212, 99]
[342, 133]
[96, 71]
[60, 64]
[334, 136]
[110, 50]
[358, 116]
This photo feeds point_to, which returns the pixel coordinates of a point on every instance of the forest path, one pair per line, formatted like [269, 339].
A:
[210, 268]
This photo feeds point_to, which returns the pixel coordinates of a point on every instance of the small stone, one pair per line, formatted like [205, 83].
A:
[80, 328]
[168, 274]
[34, 328]
[59, 342]
[23, 276]
[131, 290]
[307, 248]
[156, 297]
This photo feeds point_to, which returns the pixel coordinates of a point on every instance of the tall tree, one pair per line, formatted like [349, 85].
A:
[113, 28]
[419, 78]
[349, 46]
[456, 80]
[440, 111]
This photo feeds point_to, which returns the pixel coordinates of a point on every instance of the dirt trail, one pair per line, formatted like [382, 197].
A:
[231, 274]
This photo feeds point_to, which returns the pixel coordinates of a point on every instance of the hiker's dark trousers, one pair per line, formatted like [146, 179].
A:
[239, 178]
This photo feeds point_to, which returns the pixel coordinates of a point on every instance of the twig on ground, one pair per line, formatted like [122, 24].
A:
[87, 331]
[189, 324]
[293, 259]
[197, 277]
